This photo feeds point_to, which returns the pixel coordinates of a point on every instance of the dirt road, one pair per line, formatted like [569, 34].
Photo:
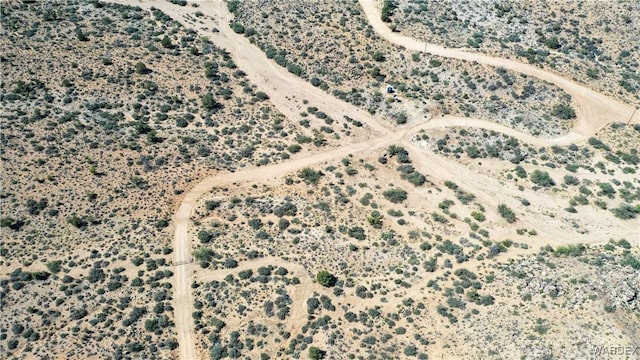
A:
[287, 93]
[593, 109]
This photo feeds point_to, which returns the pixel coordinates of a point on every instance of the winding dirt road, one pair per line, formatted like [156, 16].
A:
[594, 110]
[287, 92]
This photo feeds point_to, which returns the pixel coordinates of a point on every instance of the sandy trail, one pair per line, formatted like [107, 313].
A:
[287, 91]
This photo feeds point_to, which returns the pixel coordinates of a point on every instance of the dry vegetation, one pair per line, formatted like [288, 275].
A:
[111, 113]
[593, 42]
[599, 174]
[343, 56]
[417, 268]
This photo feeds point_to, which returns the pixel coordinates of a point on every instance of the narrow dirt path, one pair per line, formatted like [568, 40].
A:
[287, 92]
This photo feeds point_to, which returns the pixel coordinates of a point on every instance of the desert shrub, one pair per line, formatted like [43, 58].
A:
[606, 189]
[95, 275]
[309, 175]
[541, 178]
[378, 56]
[316, 353]
[141, 68]
[375, 219]
[237, 28]
[571, 180]
[410, 350]
[431, 264]
[473, 152]
[326, 279]
[209, 102]
[395, 195]
[78, 222]
[455, 303]
[357, 232]
[414, 177]
[563, 111]
[451, 185]
[569, 250]
[212, 204]
[11, 223]
[230, 263]
[626, 211]
[597, 144]
[312, 305]
[262, 96]
[286, 209]
[54, 266]
[464, 197]
[388, 7]
[507, 213]
[77, 314]
[520, 172]
[552, 42]
[478, 216]
[630, 260]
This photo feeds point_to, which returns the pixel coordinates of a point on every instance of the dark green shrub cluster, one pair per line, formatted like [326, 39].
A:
[542, 178]
[388, 7]
[507, 213]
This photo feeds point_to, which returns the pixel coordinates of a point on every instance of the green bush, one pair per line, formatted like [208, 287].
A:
[237, 28]
[309, 175]
[563, 111]
[357, 232]
[315, 353]
[141, 68]
[473, 152]
[395, 195]
[326, 279]
[552, 42]
[626, 211]
[541, 178]
[388, 7]
[210, 103]
[520, 172]
[378, 56]
[375, 219]
[507, 213]
[54, 266]
[569, 250]
[478, 216]
[597, 144]
[571, 180]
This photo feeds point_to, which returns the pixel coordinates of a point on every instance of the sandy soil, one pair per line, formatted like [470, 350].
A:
[287, 92]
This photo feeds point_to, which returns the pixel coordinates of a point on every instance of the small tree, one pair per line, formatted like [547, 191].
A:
[378, 56]
[210, 103]
[563, 111]
[388, 6]
[141, 68]
[315, 353]
[166, 42]
[326, 279]
[375, 219]
[237, 28]
[54, 266]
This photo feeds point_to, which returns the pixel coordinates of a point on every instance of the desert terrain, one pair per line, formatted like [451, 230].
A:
[311, 179]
